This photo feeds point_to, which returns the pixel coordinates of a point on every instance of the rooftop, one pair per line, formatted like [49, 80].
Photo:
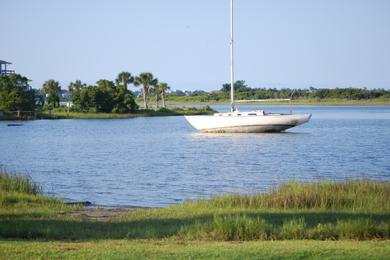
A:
[4, 62]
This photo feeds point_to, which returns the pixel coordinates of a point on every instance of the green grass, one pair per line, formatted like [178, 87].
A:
[171, 249]
[20, 184]
[22, 200]
[291, 221]
[326, 210]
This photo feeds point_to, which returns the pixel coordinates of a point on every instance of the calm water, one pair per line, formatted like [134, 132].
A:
[162, 160]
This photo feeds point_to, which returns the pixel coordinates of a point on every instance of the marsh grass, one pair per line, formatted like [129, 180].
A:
[356, 210]
[21, 198]
[21, 184]
[364, 195]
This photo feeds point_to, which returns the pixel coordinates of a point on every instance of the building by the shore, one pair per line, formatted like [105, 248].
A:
[3, 68]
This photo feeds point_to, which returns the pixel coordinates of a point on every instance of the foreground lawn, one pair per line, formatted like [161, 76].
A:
[169, 249]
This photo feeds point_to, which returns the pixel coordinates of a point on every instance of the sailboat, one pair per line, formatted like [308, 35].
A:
[257, 121]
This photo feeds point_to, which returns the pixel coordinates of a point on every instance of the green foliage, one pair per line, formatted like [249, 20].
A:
[124, 101]
[362, 229]
[106, 97]
[53, 99]
[16, 94]
[351, 195]
[160, 91]
[15, 183]
[239, 86]
[293, 229]
[239, 227]
[76, 86]
[146, 80]
[243, 91]
[24, 215]
[52, 89]
[124, 78]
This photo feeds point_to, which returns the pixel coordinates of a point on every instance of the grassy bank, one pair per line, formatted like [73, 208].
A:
[61, 113]
[299, 213]
[175, 111]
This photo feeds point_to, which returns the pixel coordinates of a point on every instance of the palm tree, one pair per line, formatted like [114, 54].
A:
[51, 86]
[76, 86]
[147, 80]
[52, 90]
[161, 90]
[124, 78]
[157, 91]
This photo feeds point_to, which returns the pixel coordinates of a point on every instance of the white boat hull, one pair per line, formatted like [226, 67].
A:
[234, 123]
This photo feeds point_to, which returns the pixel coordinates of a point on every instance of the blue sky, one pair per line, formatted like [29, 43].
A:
[279, 43]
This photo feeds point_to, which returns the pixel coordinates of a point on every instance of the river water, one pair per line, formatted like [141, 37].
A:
[158, 161]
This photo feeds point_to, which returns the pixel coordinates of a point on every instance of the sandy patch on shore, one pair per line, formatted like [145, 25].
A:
[100, 214]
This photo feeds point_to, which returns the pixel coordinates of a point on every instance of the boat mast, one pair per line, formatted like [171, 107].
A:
[232, 108]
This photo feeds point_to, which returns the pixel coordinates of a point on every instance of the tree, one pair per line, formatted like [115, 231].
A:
[76, 86]
[124, 101]
[147, 80]
[51, 86]
[85, 98]
[156, 91]
[16, 94]
[239, 86]
[105, 84]
[53, 99]
[52, 90]
[104, 97]
[104, 100]
[161, 89]
[124, 78]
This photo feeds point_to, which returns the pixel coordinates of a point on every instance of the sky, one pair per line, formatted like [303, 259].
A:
[278, 43]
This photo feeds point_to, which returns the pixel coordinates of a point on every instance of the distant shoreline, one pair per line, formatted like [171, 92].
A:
[180, 108]
[62, 114]
[286, 103]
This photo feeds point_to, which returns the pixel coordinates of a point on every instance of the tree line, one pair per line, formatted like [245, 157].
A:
[104, 96]
[114, 96]
[243, 91]
[109, 96]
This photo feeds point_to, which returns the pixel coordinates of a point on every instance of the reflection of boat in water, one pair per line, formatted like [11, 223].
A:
[257, 121]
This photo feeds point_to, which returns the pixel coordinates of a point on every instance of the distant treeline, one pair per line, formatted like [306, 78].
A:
[243, 91]
[114, 96]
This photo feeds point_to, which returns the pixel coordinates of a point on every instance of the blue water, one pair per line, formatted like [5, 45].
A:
[162, 160]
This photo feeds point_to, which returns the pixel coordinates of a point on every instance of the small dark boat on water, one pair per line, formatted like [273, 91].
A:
[14, 124]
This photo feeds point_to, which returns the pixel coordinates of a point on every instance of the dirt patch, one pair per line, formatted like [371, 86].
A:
[99, 214]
